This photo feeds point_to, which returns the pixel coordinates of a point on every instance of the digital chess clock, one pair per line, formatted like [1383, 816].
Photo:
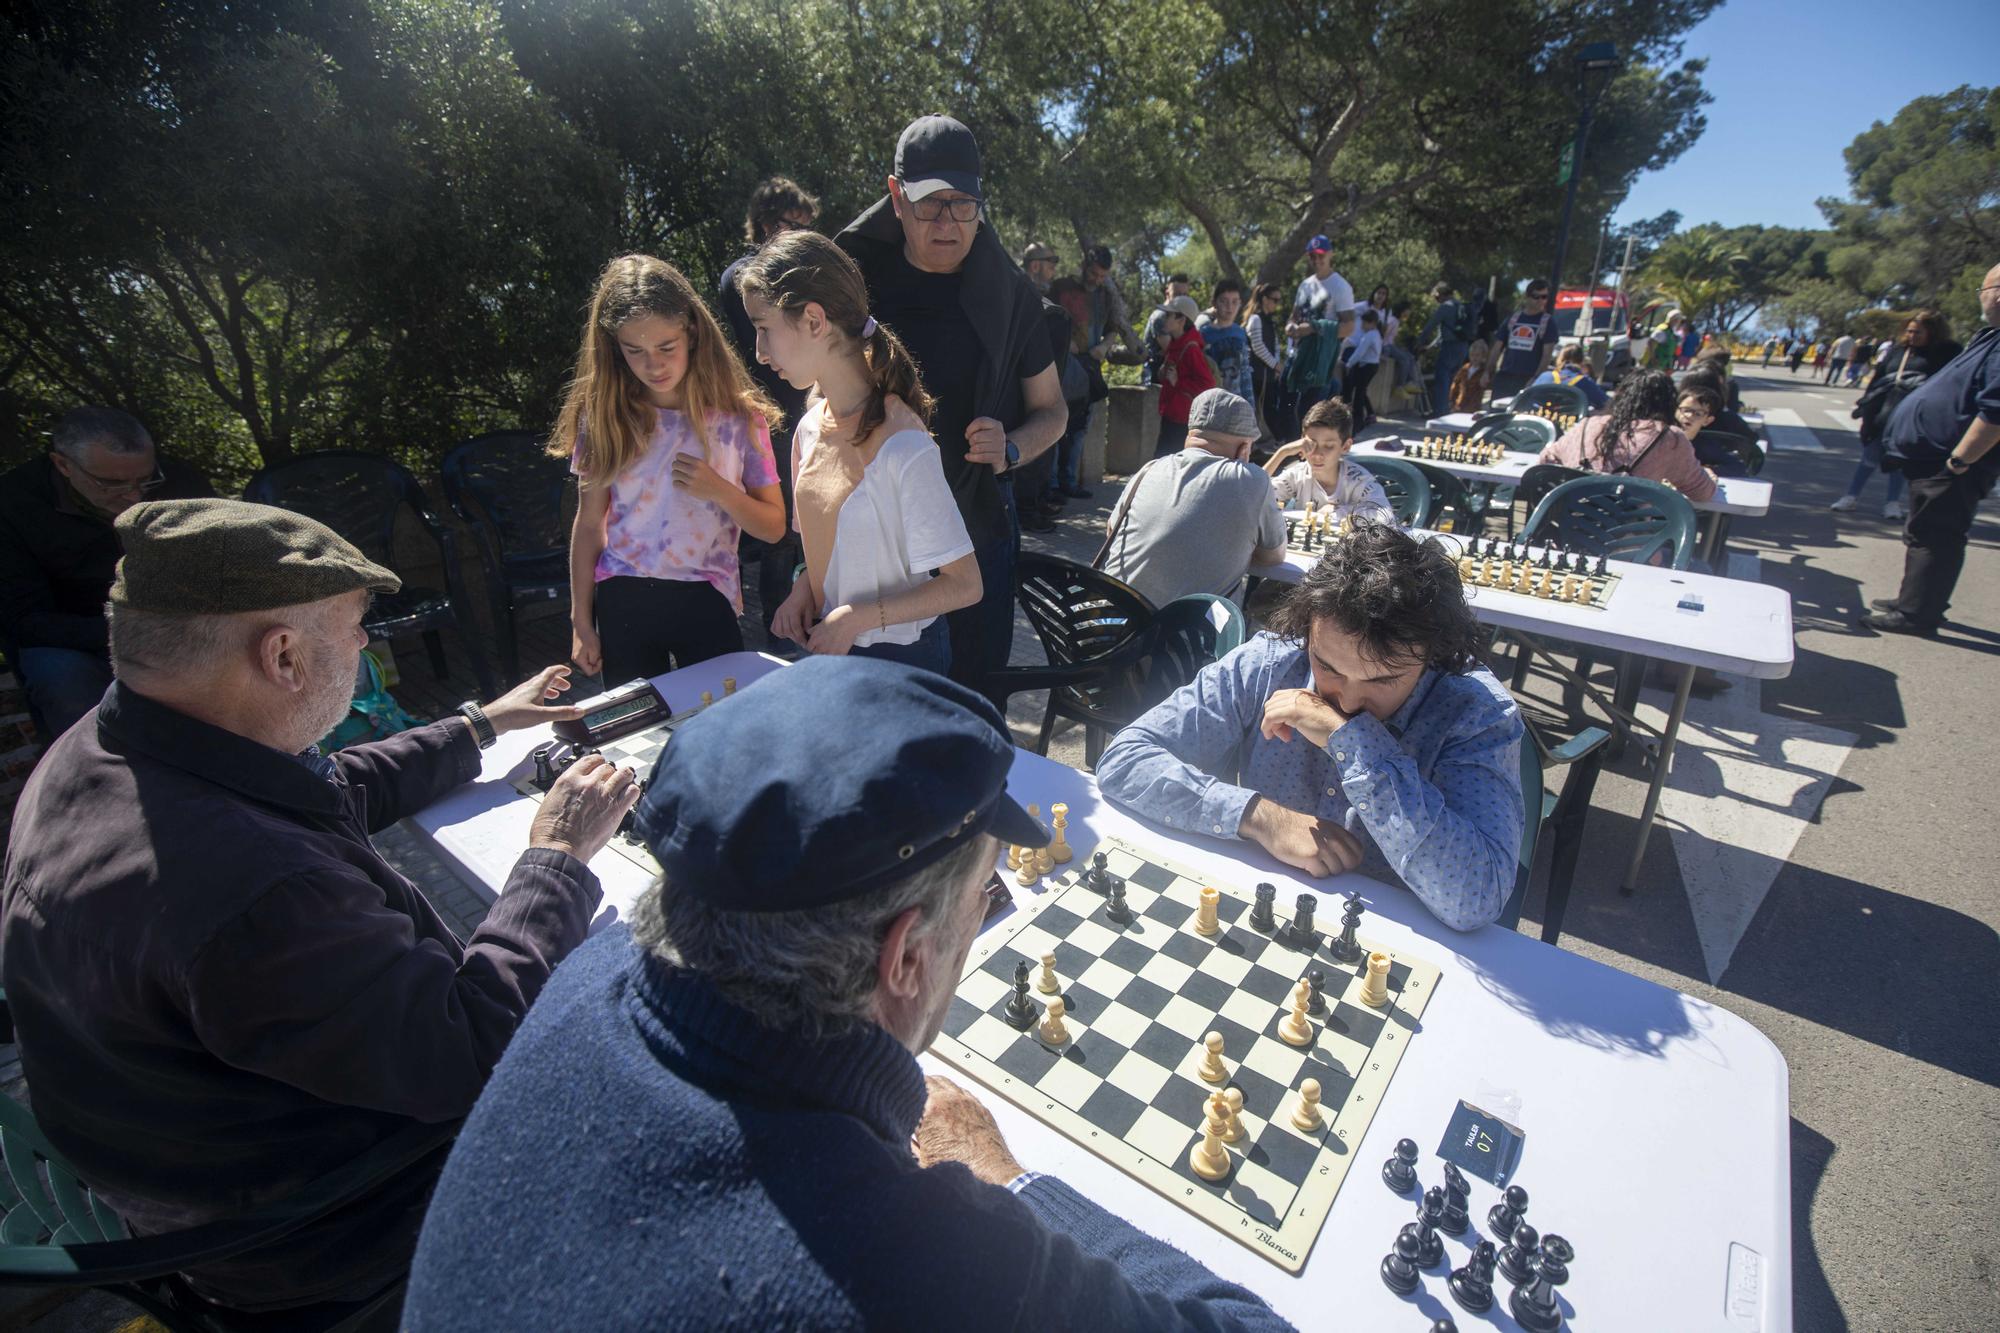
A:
[616, 712]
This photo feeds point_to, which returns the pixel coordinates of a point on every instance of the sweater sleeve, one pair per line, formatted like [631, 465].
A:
[1675, 460]
[411, 770]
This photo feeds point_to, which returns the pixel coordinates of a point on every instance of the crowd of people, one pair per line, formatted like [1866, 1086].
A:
[715, 1114]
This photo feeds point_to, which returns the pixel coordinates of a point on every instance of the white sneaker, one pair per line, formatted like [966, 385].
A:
[1842, 505]
[1895, 509]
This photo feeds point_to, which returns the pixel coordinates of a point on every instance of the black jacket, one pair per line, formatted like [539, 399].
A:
[57, 557]
[222, 991]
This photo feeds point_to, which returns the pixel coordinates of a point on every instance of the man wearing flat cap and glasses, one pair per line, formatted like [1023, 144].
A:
[940, 278]
[716, 1119]
[222, 992]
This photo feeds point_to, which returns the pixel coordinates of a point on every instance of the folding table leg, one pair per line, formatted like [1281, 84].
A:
[1661, 763]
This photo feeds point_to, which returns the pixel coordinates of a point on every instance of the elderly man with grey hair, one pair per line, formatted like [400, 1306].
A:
[222, 991]
[1190, 522]
[58, 551]
[717, 1121]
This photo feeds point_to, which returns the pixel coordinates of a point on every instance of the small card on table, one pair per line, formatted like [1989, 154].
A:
[1482, 1144]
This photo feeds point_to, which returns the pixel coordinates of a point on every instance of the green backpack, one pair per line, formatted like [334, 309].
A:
[373, 714]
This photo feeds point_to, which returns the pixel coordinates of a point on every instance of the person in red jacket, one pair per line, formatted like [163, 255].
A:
[1184, 372]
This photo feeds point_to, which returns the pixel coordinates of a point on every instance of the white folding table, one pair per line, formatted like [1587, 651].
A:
[1657, 1126]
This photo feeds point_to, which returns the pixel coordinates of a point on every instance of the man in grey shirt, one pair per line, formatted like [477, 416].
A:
[1190, 522]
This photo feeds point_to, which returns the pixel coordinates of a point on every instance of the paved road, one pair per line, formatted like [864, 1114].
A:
[1827, 873]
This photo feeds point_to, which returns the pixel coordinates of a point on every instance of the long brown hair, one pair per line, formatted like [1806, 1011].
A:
[607, 403]
[803, 266]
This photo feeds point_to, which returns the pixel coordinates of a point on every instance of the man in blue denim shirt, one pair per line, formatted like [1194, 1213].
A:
[1361, 734]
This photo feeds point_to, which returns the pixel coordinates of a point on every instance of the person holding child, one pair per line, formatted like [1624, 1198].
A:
[887, 553]
[670, 441]
[1315, 472]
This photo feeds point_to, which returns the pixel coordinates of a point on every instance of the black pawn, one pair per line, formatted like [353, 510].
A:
[1291, 531]
[1603, 567]
[1472, 1285]
[1261, 916]
[1399, 1173]
[1517, 1260]
[1399, 1266]
[1117, 908]
[1095, 879]
[1021, 1009]
[1347, 948]
[1503, 1217]
[1444, 1326]
[1543, 563]
[1315, 991]
[1304, 937]
[1456, 1192]
[1430, 1252]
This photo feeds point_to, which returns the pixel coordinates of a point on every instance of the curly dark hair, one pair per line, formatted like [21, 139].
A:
[1646, 395]
[1400, 597]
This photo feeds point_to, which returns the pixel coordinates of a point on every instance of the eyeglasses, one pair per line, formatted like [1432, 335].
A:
[120, 485]
[1538, 296]
[930, 210]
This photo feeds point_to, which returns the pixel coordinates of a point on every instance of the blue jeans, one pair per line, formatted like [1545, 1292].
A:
[1451, 355]
[1871, 462]
[931, 651]
[982, 635]
[1069, 460]
[62, 684]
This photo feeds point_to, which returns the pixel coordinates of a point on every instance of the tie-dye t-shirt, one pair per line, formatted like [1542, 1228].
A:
[656, 530]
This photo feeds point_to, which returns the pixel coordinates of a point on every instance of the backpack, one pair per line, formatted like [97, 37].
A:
[373, 714]
[1468, 320]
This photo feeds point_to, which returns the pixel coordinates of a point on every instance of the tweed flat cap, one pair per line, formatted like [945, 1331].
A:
[217, 557]
[1220, 412]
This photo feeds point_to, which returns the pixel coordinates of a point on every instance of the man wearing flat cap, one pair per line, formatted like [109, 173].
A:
[222, 991]
[1191, 521]
[716, 1119]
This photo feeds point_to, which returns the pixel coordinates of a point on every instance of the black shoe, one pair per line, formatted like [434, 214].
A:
[1076, 493]
[1895, 622]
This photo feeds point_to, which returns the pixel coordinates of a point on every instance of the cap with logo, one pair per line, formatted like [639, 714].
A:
[937, 153]
[826, 780]
[1319, 245]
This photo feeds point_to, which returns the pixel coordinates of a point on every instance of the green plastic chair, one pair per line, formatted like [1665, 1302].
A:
[55, 1232]
[1451, 502]
[1536, 482]
[1518, 432]
[1624, 518]
[1562, 811]
[1742, 446]
[1408, 490]
[1566, 399]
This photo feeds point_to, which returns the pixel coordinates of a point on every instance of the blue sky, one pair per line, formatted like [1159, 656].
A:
[1793, 83]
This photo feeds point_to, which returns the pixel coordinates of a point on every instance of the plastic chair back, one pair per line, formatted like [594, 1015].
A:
[1624, 518]
[1542, 478]
[1566, 399]
[1408, 491]
[1742, 446]
[355, 494]
[1452, 507]
[505, 485]
[1189, 633]
[1518, 432]
[43, 1204]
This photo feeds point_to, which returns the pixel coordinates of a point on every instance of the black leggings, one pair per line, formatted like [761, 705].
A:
[648, 627]
[1356, 393]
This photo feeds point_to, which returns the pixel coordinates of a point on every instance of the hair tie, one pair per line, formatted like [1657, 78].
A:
[868, 327]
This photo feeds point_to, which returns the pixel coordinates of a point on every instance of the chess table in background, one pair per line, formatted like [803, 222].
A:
[1140, 997]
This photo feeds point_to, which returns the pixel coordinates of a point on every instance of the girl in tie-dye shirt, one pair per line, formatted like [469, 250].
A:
[670, 440]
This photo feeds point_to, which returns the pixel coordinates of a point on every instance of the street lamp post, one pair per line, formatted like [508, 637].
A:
[1598, 58]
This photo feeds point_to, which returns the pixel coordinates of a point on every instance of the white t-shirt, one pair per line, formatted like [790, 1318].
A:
[897, 525]
[1843, 348]
[1356, 494]
[1323, 298]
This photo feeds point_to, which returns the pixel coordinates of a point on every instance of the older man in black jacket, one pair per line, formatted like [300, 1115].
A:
[939, 277]
[221, 990]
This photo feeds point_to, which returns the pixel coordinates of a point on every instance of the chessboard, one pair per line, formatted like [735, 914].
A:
[1311, 531]
[1455, 449]
[1142, 995]
[1541, 573]
[640, 751]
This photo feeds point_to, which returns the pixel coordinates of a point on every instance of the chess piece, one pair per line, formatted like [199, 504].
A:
[1399, 1267]
[1430, 1245]
[1345, 947]
[1304, 938]
[1014, 858]
[1603, 569]
[1212, 1069]
[1020, 1008]
[1590, 592]
[1209, 1157]
[1053, 1031]
[1261, 916]
[1029, 874]
[1556, 1255]
[1232, 1105]
[1456, 1193]
[707, 698]
[1472, 1285]
[728, 686]
[1295, 1030]
[1375, 990]
[1045, 861]
[1097, 879]
[1399, 1173]
[1315, 992]
[1534, 1304]
[1205, 922]
[1503, 1217]
[1305, 1116]
[1443, 1326]
[1048, 985]
[1059, 850]
[1116, 907]
[1517, 1256]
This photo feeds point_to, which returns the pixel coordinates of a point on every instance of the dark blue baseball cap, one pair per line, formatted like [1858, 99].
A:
[825, 780]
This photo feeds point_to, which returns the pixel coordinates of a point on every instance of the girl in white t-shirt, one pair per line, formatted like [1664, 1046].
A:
[887, 554]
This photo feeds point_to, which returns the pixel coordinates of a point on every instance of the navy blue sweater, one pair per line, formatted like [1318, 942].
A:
[648, 1156]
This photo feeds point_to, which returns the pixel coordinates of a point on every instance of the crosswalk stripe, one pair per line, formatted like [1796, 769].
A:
[1789, 432]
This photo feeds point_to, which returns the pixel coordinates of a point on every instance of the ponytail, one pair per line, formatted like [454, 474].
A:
[893, 371]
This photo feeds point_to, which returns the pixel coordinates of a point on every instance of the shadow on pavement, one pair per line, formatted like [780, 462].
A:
[1814, 1305]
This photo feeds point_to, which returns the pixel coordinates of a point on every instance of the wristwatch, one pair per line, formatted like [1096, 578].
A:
[475, 717]
[1013, 459]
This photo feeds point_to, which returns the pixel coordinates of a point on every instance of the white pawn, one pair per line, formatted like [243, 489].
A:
[1047, 983]
[1295, 1030]
[1212, 1069]
[1232, 1104]
[1053, 1031]
[1305, 1116]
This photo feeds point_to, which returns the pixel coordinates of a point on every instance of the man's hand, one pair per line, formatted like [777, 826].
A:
[1313, 845]
[835, 636]
[957, 1128]
[986, 442]
[584, 808]
[523, 705]
[1301, 713]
